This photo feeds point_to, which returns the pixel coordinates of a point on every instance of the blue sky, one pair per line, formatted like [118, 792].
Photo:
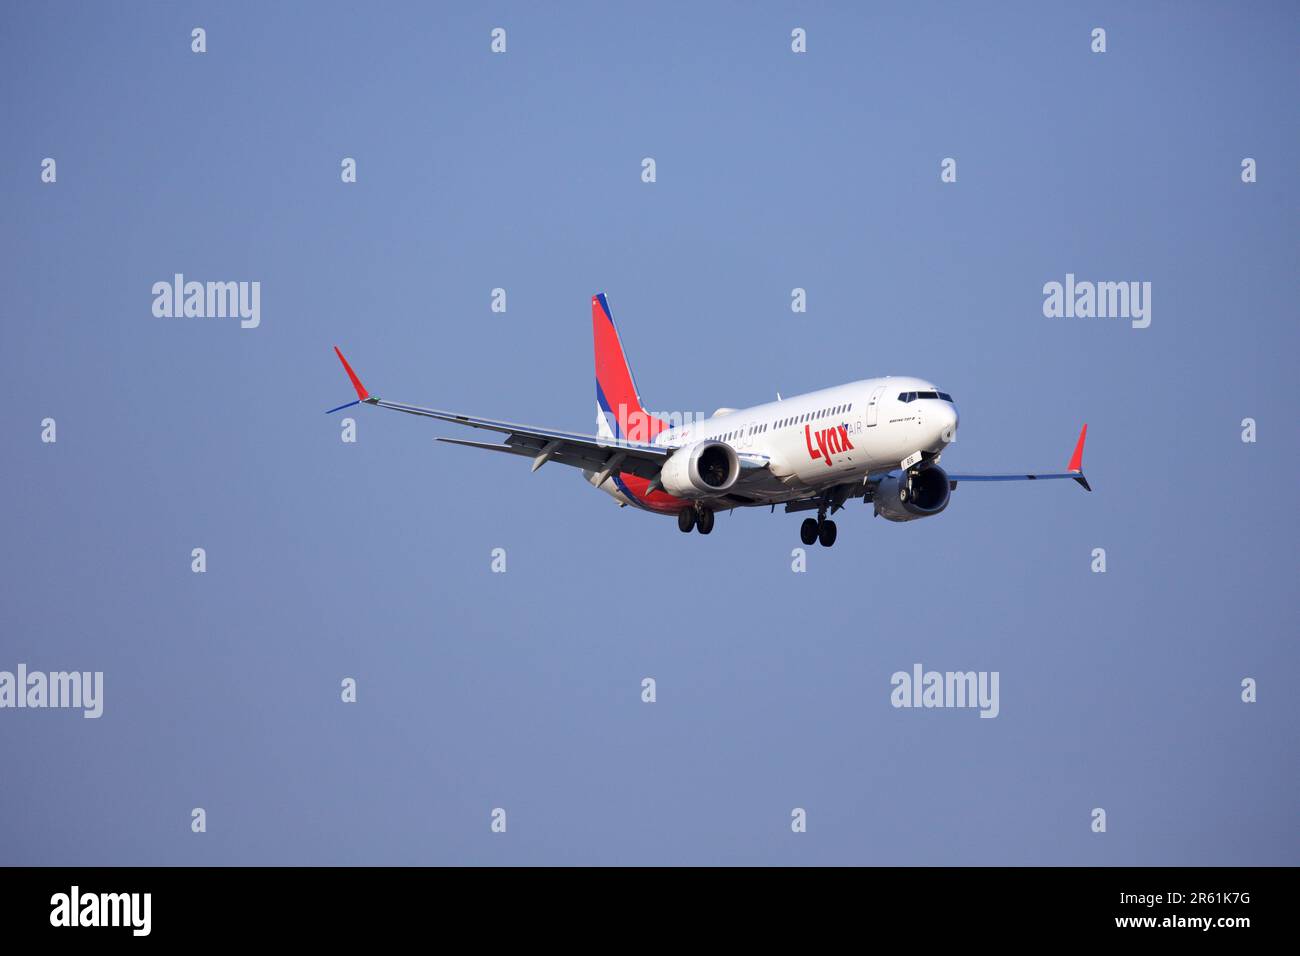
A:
[522, 690]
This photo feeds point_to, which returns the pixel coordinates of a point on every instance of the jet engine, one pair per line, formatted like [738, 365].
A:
[701, 470]
[908, 496]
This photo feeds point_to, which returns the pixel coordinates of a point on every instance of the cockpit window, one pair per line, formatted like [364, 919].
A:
[913, 396]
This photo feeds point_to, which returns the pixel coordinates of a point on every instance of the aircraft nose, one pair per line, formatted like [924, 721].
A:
[946, 420]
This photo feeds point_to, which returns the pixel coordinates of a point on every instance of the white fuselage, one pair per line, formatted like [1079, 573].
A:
[827, 437]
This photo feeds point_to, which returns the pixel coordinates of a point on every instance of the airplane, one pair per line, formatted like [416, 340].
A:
[878, 439]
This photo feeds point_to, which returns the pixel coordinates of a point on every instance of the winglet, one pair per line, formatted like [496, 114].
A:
[362, 394]
[1076, 460]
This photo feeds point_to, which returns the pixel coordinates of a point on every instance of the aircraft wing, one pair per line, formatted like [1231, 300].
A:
[1073, 470]
[590, 452]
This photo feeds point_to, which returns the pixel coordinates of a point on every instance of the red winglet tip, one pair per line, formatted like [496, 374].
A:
[362, 394]
[1076, 460]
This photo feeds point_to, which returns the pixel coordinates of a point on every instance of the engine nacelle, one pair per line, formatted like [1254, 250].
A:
[701, 470]
[926, 494]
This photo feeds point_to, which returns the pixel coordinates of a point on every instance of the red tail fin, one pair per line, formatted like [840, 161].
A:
[618, 404]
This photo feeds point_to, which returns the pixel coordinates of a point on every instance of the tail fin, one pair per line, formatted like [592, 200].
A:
[618, 404]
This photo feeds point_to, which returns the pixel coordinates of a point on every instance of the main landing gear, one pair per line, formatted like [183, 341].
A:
[817, 529]
[701, 520]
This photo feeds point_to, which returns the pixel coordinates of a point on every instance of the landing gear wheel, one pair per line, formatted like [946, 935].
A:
[808, 531]
[704, 523]
[827, 534]
[685, 520]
